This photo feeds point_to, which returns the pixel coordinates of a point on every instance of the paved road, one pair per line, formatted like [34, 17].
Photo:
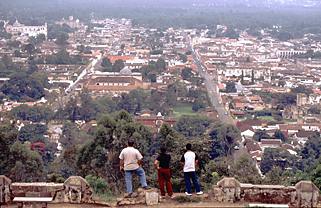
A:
[89, 69]
[212, 88]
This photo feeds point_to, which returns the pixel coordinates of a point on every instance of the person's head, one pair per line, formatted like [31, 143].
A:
[189, 146]
[163, 150]
[131, 143]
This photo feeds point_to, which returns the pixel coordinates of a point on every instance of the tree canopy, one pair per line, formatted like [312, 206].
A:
[224, 138]
[23, 87]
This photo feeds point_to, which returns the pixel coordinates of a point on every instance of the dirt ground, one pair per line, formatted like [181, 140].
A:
[162, 205]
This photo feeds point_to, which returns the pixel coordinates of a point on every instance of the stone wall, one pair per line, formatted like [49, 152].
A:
[4, 189]
[303, 194]
[74, 190]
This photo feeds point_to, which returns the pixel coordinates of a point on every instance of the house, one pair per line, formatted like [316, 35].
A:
[155, 122]
[302, 136]
[122, 82]
[21, 29]
[270, 143]
[248, 133]
[253, 149]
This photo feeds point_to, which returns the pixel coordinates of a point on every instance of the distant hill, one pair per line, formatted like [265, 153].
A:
[170, 3]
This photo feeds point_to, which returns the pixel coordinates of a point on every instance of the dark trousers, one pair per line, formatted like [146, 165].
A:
[164, 177]
[188, 176]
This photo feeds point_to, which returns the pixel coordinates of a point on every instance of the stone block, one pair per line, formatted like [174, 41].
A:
[5, 183]
[307, 194]
[77, 190]
[152, 198]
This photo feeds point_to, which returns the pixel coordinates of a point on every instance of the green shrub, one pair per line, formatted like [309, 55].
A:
[98, 184]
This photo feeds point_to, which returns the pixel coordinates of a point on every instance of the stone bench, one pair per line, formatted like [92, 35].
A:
[34, 201]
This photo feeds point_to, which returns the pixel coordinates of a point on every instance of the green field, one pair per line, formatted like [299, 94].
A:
[183, 109]
[266, 118]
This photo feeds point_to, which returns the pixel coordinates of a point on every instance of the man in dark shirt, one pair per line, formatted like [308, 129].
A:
[162, 164]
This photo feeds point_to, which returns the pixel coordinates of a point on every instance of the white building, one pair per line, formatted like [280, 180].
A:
[21, 29]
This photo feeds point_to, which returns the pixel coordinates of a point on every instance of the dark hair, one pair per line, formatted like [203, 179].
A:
[163, 150]
[189, 146]
[131, 142]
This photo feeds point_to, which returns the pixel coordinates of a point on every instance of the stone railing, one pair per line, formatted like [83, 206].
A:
[74, 190]
[303, 194]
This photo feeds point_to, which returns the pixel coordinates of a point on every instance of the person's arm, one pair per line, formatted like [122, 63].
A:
[139, 158]
[182, 161]
[156, 163]
[121, 161]
[121, 165]
[196, 160]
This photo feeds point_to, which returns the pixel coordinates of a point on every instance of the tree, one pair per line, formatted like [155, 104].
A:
[316, 176]
[260, 134]
[230, 33]
[8, 136]
[63, 57]
[168, 137]
[187, 73]
[311, 151]
[284, 99]
[100, 156]
[192, 126]
[224, 137]
[62, 38]
[67, 162]
[34, 114]
[315, 109]
[278, 134]
[242, 77]
[281, 83]
[160, 64]
[71, 110]
[40, 38]
[276, 158]
[17, 53]
[27, 165]
[252, 77]
[221, 165]
[230, 87]
[171, 95]
[198, 104]
[284, 36]
[23, 87]
[39, 76]
[241, 169]
[118, 65]
[33, 133]
[87, 112]
[302, 89]
[106, 64]
[183, 57]
[274, 176]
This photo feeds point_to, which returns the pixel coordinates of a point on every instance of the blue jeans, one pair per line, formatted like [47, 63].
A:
[188, 176]
[129, 179]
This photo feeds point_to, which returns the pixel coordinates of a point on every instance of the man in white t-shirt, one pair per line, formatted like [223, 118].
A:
[190, 159]
[130, 162]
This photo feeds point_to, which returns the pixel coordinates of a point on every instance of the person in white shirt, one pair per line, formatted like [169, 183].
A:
[130, 162]
[190, 160]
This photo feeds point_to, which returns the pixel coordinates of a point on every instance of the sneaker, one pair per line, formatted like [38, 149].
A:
[146, 188]
[188, 194]
[200, 193]
[172, 197]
